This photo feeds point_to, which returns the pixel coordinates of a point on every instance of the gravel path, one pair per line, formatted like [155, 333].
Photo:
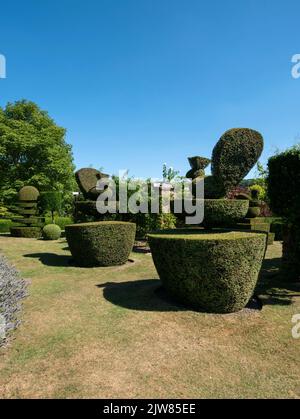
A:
[12, 290]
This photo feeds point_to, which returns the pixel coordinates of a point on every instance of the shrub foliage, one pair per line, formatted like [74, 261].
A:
[104, 243]
[212, 271]
[51, 232]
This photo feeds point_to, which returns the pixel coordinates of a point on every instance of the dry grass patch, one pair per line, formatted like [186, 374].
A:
[109, 332]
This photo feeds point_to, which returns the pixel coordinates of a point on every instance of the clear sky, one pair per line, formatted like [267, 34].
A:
[141, 82]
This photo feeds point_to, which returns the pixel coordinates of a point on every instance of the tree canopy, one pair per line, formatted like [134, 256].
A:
[33, 151]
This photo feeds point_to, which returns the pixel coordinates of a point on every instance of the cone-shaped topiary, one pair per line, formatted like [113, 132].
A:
[51, 232]
[212, 271]
[104, 243]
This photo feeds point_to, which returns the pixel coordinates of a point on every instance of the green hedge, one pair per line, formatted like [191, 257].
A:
[104, 243]
[277, 229]
[224, 212]
[5, 226]
[26, 232]
[284, 184]
[212, 271]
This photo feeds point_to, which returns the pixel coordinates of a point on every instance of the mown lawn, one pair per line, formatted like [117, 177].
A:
[112, 333]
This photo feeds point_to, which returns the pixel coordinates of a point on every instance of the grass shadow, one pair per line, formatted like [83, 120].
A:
[142, 295]
[52, 259]
[272, 287]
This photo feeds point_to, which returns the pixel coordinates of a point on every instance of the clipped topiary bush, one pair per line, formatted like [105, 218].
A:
[104, 243]
[233, 157]
[284, 195]
[26, 232]
[51, 232]
[28, 193]
[212, 271]
[87, 179]
[224, 212]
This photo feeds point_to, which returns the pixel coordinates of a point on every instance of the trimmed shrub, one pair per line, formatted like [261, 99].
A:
[87, 179]
[224, 212]
[234, 155]
[211, 271]
[277, 229]
[284, 194]
[104, 243]
[5, 226]
[26, 232]
[51, 232]
[253, 212]
[28, 193]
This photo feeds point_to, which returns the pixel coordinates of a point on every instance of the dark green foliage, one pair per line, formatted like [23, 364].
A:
[51, 232]
[26, 232]
[87, 179]
[291, 252]
[212, 189]
[212, 271]
[253, 212]
[33, 151]
[284, 184]
[5, 226]
[106, 243]
[284, 195]
[234, 155]
[50, 201]
[198, 165]
[224, 212]
[277, 228]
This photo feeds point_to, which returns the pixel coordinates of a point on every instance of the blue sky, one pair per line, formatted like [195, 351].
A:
[141, 82]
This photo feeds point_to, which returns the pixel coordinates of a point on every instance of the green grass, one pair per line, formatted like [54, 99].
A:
[111, 332]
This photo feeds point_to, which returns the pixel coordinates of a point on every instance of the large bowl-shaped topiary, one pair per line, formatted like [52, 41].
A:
[224, 212]
[214, 272]
[104, 243]
[233, 157]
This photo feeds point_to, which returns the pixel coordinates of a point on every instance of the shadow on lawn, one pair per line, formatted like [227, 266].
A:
[145, 295]
[52, 259]
[272, 288]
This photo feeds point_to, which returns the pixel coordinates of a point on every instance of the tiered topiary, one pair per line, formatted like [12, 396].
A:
[104, 243]
[212, 271]
[27, 208]
[284, 196]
